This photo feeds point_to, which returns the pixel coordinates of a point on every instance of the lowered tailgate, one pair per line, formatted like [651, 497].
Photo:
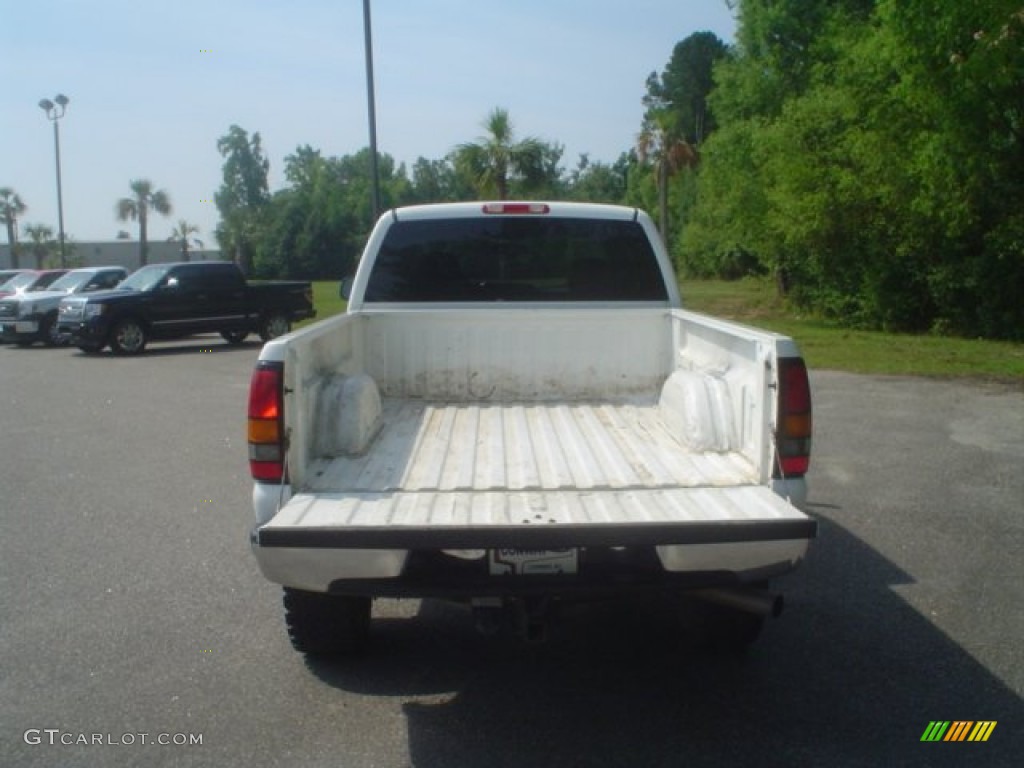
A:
[535, 519]
[465, 478]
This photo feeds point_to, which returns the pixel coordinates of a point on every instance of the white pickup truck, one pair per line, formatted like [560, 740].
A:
[516, 411]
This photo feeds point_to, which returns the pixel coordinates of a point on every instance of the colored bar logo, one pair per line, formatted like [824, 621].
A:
[958, 730]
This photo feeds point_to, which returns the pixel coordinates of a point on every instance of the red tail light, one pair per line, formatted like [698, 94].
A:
[793, 425]
[517, 208]
[266, 423]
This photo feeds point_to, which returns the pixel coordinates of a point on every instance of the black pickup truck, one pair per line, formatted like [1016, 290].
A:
[170, 301]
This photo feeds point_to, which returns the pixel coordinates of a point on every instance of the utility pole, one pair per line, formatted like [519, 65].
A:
[55, 114]
[374, 172]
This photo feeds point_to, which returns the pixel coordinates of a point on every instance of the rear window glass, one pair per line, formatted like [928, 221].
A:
[515, 259]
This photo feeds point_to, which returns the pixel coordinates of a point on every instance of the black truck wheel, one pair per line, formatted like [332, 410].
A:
[128, 337]
[234, 337]
[731, 631]
[48, 331]
[274, 325]
[326, 625]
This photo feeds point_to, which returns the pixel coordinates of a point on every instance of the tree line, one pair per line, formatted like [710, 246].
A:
[42, 241]
[316, 225]
[868, 154]
[865, 154]
[144, 201]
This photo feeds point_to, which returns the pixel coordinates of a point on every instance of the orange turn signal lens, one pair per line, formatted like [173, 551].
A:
[264, 431]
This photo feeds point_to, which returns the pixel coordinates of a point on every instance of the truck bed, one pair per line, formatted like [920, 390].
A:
[522, 447]
[532, 474]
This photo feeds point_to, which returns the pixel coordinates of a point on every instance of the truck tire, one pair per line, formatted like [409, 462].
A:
[128, 337]
[326, 625]
[274, 325]
[234, 337]
[48, 331]
[731, 631]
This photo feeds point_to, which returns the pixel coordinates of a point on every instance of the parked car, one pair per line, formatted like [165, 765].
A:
[32, 316]
[7, 274]
[29, 279]
[171, 301]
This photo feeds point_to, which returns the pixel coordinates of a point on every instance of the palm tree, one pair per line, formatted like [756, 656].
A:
[11, 207]
[493, 159]
[183, 233]
[669, 153]
[41, 236]
[137, 209]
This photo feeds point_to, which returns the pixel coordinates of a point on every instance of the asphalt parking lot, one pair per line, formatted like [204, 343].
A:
[131, 604]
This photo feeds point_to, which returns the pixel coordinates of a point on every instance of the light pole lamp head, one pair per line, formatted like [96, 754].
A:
[45, 104]
[61, 99]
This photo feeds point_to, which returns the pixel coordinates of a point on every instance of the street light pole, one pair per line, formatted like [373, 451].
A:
[52, 114]
[374, 173]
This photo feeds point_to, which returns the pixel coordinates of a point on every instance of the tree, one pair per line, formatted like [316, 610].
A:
[303, 168]
[962, 73]
[871, 156]
[494, 161]
[436, 181]
[41, 236]
[780, 46]
[677, 119]
[317, 226]
[183, 234]
[11, 207]
[137, 208]
[683, 87]
[598, 182]
[243, 194]
[661, 146]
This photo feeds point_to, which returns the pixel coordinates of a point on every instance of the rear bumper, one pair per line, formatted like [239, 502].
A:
[465, 574]
[698, 548]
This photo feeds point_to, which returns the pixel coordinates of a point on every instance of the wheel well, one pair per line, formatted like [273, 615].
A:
[129, 316]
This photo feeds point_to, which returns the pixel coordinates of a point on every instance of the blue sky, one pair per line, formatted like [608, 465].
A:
[153, 85]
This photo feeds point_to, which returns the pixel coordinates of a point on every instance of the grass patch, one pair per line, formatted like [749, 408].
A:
[827, 345]
[824, 345]
[326, 300]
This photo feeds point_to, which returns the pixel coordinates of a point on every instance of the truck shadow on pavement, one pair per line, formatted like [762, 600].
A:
[849, 675]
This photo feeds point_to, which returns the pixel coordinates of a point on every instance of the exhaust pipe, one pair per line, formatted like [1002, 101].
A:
[759, 602]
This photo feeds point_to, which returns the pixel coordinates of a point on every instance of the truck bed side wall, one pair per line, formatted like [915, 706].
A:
[743, 359]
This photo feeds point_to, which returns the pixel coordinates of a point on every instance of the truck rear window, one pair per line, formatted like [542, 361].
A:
[516, 259]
